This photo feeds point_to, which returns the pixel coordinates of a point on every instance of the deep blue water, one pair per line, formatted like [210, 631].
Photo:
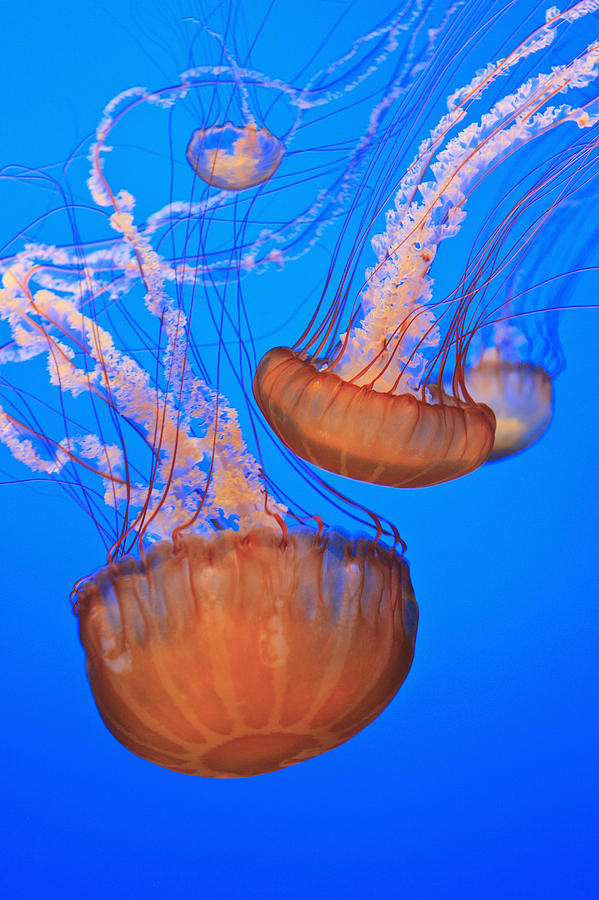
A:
[480, 780]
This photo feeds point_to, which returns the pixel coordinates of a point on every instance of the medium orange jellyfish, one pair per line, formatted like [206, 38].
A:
[398, 440]
[373, 403]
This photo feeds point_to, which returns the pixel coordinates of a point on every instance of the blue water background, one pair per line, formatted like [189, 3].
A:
[481, 778]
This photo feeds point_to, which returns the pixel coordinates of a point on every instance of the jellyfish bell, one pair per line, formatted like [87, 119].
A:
[396, 440]
[521, 396]
[237, 655]
[234, 158]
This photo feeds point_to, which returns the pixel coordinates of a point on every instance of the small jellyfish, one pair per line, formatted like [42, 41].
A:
[234, 158]
[351, 94]
[370, 402]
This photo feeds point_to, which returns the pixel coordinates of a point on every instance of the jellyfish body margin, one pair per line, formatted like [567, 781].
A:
[376, 388]
[226, 636]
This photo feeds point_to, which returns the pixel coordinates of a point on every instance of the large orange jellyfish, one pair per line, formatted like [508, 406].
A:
[237, 654]
[373, 403]
[221, 639]
[233, 646]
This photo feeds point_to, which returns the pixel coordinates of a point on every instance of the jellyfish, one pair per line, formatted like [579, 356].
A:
[234, 158]
[516, 354]
[233, 646]
[520, 395]
[224, 636]
[258, 147]
[233, 654]
[372, 402]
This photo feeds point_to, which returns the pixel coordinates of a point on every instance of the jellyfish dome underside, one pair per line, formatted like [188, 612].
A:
[521, 397]
[393, 440]
[233, 158]
[236, 655]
